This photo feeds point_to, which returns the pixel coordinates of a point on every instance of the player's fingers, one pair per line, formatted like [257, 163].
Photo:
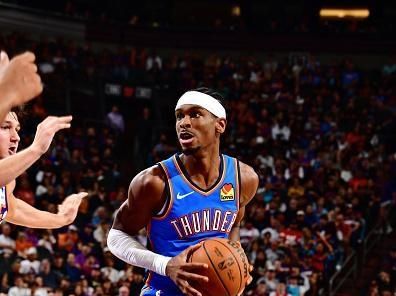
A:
[250, 279]
[33, 82]
[32, 67]
[192, 249]
[62, 126]
[77, 202]
[191, 291]
[71, 201]
[187, 289]
[53, 120]
[50, 123]
[238, 243]
[81, 195]
[26, 57]
[193, 276]
[58, 123]
[39, 85]
[36, 80]
[194, 266]
[64, 119]
[250, 267]
[75, 198]
[61, 122]
[4, 60]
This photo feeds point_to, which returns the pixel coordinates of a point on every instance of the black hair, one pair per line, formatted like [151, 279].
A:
[211, 92]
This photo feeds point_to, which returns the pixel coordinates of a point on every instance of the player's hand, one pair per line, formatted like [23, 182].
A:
[46, 131]
[181, 271]
[67, 211]
[249, 280]
[19, 79]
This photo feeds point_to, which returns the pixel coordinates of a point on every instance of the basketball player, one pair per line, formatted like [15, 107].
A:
[16, 211]
[19, 81]
[192, 196]
[16, 163]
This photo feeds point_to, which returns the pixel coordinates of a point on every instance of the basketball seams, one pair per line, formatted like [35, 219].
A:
[236, 260]
[214, 267]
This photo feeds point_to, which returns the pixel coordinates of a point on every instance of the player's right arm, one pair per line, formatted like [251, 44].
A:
[13, 166]
[19, 81]
[145, 198]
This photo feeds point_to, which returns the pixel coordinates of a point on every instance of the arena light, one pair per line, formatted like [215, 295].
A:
[360, 13]
[236, 11]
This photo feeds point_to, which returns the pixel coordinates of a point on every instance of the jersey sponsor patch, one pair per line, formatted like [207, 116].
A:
[227, 192]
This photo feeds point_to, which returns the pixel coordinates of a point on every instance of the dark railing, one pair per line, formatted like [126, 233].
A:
[349, 267]
[371, 240]
[353, 263]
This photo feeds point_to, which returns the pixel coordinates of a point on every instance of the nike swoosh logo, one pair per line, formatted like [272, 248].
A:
[181, 196]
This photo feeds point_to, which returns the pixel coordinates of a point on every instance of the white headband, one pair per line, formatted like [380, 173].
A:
[203, 100]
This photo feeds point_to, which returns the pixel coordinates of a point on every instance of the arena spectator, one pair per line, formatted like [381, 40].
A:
[115, 120]
[30, 264]
[7, 243]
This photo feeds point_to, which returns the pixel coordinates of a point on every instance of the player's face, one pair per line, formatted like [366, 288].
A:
[197, 128]
[9, 138]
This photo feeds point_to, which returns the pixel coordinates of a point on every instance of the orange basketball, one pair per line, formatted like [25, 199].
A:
[228, 267]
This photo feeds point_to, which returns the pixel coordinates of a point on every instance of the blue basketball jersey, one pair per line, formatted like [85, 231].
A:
[192, 214]
[3, 203]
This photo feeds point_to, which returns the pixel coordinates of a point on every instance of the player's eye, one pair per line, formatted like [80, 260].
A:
[195, 114]
[5, 127]
[179, 116]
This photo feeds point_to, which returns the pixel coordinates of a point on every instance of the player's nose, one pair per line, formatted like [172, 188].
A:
[185, 122]
[15, 136]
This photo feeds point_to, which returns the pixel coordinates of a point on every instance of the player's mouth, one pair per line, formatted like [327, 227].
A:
[186, 137]
[12, 150]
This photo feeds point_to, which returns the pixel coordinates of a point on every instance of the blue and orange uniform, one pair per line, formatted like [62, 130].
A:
[3, 203]
[190, 215]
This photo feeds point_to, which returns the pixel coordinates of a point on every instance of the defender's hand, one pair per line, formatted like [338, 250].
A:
[46, 131]
[19, 79]
[69, 208]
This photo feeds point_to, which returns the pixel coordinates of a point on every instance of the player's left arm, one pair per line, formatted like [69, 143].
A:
[249, 185]
[21, 213]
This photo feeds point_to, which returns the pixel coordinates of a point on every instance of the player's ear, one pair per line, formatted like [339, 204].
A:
[220, 125]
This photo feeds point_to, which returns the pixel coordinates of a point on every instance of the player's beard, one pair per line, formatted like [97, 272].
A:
[190, 151]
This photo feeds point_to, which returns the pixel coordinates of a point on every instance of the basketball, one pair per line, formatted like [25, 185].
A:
[228, 267]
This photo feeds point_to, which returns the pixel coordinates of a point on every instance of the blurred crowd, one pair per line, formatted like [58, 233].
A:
[385, 282]
[319, 136]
